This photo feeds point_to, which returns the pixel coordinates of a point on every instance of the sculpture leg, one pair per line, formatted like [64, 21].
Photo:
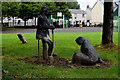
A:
[50, 44]
[81, 58]
[44, 50]
[38, 51]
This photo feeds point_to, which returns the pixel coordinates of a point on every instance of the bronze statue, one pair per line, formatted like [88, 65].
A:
[42, 29]
[88, 54]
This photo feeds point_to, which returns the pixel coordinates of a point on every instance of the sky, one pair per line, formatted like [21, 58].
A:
[84, 3]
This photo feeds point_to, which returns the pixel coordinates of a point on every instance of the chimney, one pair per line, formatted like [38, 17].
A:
[88, 6]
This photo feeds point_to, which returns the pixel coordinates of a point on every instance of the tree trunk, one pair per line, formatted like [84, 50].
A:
[8, 23]
[13, 21]
[2, 22]
[107, 36]
[25, 22]
[35, 21]
[1, 25]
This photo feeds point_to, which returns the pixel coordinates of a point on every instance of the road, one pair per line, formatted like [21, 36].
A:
[57, 30]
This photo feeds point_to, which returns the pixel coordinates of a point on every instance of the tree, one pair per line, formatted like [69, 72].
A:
[62, 7]
[29, 10]
[5, 9]
[35, 9]
[25, 12]
[1, 14]
[10, 9]
[107, 36]
[73, 5]
[14, 10]
[53, 8]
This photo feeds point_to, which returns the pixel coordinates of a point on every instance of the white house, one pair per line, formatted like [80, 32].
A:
[78, 16]
[97, 12]
[88, 15]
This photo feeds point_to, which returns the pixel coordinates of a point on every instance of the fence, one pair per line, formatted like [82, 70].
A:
[13, 24]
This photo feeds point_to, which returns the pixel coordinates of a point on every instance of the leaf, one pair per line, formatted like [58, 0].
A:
[70, 61]
[97, 65]
[17, 76]
[5, 71]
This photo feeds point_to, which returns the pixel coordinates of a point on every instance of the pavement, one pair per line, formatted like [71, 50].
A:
[57, 30]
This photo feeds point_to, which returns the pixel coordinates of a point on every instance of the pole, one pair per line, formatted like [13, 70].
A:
[38, 51]
[66, 23]
[63, 21]
[1, 25]
[119, 17]
[51, 17]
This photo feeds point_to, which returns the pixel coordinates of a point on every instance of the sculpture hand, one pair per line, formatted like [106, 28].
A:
[52, 26]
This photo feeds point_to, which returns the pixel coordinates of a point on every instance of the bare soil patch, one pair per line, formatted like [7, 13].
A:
[65, 62]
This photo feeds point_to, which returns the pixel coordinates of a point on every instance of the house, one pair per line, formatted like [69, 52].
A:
[115, 19]
[115, 7]
[78, 17]
[88, 15]
[97, 13]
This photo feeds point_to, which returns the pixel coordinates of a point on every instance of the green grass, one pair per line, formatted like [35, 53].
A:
[65, 46]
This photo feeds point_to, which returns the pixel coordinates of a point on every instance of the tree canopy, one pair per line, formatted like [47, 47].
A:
[62, 7]
[10, 9]
[28, 10]
[73, 5]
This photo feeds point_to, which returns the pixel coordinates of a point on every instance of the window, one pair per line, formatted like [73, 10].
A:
[83, 15]
[75, 16]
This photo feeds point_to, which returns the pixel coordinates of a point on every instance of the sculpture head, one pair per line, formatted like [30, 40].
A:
[45, 10]
[80, 40]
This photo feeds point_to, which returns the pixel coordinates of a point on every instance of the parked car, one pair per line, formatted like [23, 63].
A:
[71, 24]
[100, 25]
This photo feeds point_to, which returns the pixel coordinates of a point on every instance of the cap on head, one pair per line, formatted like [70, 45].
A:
[44, 9]
[80, 40]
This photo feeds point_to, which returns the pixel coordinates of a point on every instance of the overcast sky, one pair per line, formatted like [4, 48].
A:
[84, 3]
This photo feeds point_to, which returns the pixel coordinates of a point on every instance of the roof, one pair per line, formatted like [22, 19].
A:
[96, 3]
[77, 11]
[89, 9]
[115, 6]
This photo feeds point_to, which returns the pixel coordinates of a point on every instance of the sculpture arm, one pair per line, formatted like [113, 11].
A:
[48, 25]
[52, 26]
[43, 23]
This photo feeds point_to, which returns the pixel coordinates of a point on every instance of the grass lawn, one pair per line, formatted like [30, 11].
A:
[13, 51]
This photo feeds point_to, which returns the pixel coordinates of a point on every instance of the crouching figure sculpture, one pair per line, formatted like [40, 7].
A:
[87, 55]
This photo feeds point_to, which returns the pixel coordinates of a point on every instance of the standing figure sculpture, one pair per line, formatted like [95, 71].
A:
[42, 29]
